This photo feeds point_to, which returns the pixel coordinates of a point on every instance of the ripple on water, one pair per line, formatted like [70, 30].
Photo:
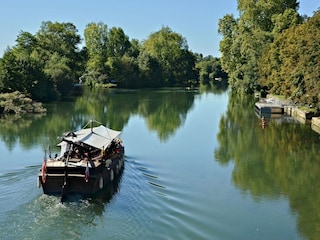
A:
[17, 188]
[46, 217]
[171, 208]
[148, 204]
[128, 211]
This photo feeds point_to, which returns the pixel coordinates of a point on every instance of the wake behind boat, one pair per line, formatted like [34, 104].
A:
[89, 159]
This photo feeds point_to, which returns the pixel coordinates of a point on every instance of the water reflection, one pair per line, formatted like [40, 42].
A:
[16, 128]
[281, 160]
[164, 111]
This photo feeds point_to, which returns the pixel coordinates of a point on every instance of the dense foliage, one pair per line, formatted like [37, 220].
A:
[271, 48]
[209, 69]
[245, 38]
[47, 65]
[18, 103]
[43, 65]
[290, 65]
[161, 60]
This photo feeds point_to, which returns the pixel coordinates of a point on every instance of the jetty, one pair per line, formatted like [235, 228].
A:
[274, 107]
[268, 107]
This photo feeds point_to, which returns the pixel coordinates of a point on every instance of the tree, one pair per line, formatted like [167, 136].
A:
[61, 38]
[96, 38]
[45, 65]
[285, 20]
[259, 13]
[21, 71]
[290, 65]
[135, 47]
[171, 51]
[118, 43]
[60, 73]
[26, 43]
[229, 47]
[124, 70]
[245, 38]
[150, 70]
[209, 69]
[58, 50]
[105, 50]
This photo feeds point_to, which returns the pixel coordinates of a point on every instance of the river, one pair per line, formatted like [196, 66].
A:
[198, 165]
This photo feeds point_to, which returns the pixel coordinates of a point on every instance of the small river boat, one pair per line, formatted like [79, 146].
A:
[89, 160]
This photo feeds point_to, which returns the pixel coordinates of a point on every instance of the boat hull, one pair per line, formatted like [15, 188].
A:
[57, 182]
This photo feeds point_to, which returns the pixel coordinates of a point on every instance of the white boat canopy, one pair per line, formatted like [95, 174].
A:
[98, 137]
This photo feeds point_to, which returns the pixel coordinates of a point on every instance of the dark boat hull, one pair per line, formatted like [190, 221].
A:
[74, 182]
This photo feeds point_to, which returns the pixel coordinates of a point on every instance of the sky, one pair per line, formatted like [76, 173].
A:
[195, 20]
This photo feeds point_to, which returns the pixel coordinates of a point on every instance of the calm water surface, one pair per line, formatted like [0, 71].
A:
[198, 166]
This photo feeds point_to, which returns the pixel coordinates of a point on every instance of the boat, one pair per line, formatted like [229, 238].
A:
[89, 160]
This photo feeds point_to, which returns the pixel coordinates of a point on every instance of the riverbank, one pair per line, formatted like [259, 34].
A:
[303, 114]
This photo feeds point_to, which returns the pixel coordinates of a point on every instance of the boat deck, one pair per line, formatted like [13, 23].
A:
[76, 162]
[71, 163]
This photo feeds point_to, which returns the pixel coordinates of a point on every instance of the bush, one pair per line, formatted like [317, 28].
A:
[18, 103]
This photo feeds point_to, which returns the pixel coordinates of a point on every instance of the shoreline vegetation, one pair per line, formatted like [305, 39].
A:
[47, 65]
[268, 49]
[18, 103]
[271, 49]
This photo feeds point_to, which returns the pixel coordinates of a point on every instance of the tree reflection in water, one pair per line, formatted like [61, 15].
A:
[279, 161]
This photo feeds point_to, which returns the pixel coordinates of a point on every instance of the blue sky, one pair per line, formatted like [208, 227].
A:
[197, 21]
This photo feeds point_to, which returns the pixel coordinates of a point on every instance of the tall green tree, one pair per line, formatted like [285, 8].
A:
[290, 65]
[290, 17]
[118, 43]
[21, 71]
[170, 49]
[60, 38]
[229, 47]
[135, 48]
[96, 38]
[245, 38]
[45, 65]
[58, 50]
[259, 13]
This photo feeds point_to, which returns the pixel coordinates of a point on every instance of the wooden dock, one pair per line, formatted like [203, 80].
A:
[268, 108]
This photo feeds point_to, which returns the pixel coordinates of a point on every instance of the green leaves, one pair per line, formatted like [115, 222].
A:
[48, 64]
[209, 70]
[170, 50]
[118, 43]
[290, 65]
[96, 37]
[43, 65]
[246, 38]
